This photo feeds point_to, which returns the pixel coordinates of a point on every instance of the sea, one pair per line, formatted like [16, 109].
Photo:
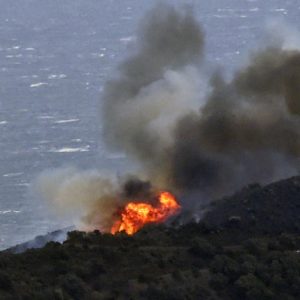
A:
[55, 56]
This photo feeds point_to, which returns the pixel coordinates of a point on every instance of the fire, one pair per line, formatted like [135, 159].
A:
[137, 214]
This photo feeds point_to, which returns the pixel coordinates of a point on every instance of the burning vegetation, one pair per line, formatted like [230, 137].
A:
[136, 215]
[188, 130]
[215, 259]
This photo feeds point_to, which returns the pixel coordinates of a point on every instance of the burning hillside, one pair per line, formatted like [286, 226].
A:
[237, 251]
[189, 131]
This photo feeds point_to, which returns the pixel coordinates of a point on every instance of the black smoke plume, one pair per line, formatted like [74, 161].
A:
[198, 135]
[215, 141]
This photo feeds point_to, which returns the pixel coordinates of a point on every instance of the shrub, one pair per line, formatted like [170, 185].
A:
[5, 281]
[250, 287]
[73, 286]
[218, 281]
[256, 246]
[202, 248]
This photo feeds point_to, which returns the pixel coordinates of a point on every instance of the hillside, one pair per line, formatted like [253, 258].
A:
[271, 209]
[246, 247]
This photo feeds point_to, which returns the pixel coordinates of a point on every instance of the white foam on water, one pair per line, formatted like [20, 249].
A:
[227, 9]
[9, 211]
[38, 84]
[127, 39]
[279, 9]
[220, 16]
[13, 174]
[98, 54]
[66, 121]
[57, 76]
[23, 184]
[45, 117]
[71, 149]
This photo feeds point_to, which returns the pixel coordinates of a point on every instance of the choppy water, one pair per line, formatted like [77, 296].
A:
[54, 58]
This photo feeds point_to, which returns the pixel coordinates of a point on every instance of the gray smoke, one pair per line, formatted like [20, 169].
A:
[209, 135]
[198, 135]
[89, 195]
[92, 197]
[155, 84]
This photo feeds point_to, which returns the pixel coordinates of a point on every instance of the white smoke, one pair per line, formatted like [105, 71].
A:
[72, 192]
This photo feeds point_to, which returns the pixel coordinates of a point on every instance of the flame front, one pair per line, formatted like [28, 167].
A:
[137, 214]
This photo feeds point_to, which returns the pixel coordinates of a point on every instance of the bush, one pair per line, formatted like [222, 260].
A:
[250, 287]
[73, 286]
[218, 281]
[256, 247]
[287, 241]
[202, 248]
[5, 281]
[76, 236]
[225, 265]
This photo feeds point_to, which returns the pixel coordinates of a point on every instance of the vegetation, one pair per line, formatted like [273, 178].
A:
[205, 260]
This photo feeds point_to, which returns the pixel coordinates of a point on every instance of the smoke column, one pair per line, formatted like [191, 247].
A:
[192, 133]
[189, 135]
[154, 88]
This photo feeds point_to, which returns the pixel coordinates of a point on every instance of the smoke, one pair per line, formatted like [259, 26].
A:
[74, 193]
[90, 195]
[190, 132]
[154, 88]
[282, 34]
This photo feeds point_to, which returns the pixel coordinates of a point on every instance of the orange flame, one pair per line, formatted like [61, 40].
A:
[137, 214]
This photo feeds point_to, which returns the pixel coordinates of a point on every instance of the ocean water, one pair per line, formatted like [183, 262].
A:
[55, 56]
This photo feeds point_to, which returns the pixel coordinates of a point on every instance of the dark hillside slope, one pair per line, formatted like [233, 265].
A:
[274, 208]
